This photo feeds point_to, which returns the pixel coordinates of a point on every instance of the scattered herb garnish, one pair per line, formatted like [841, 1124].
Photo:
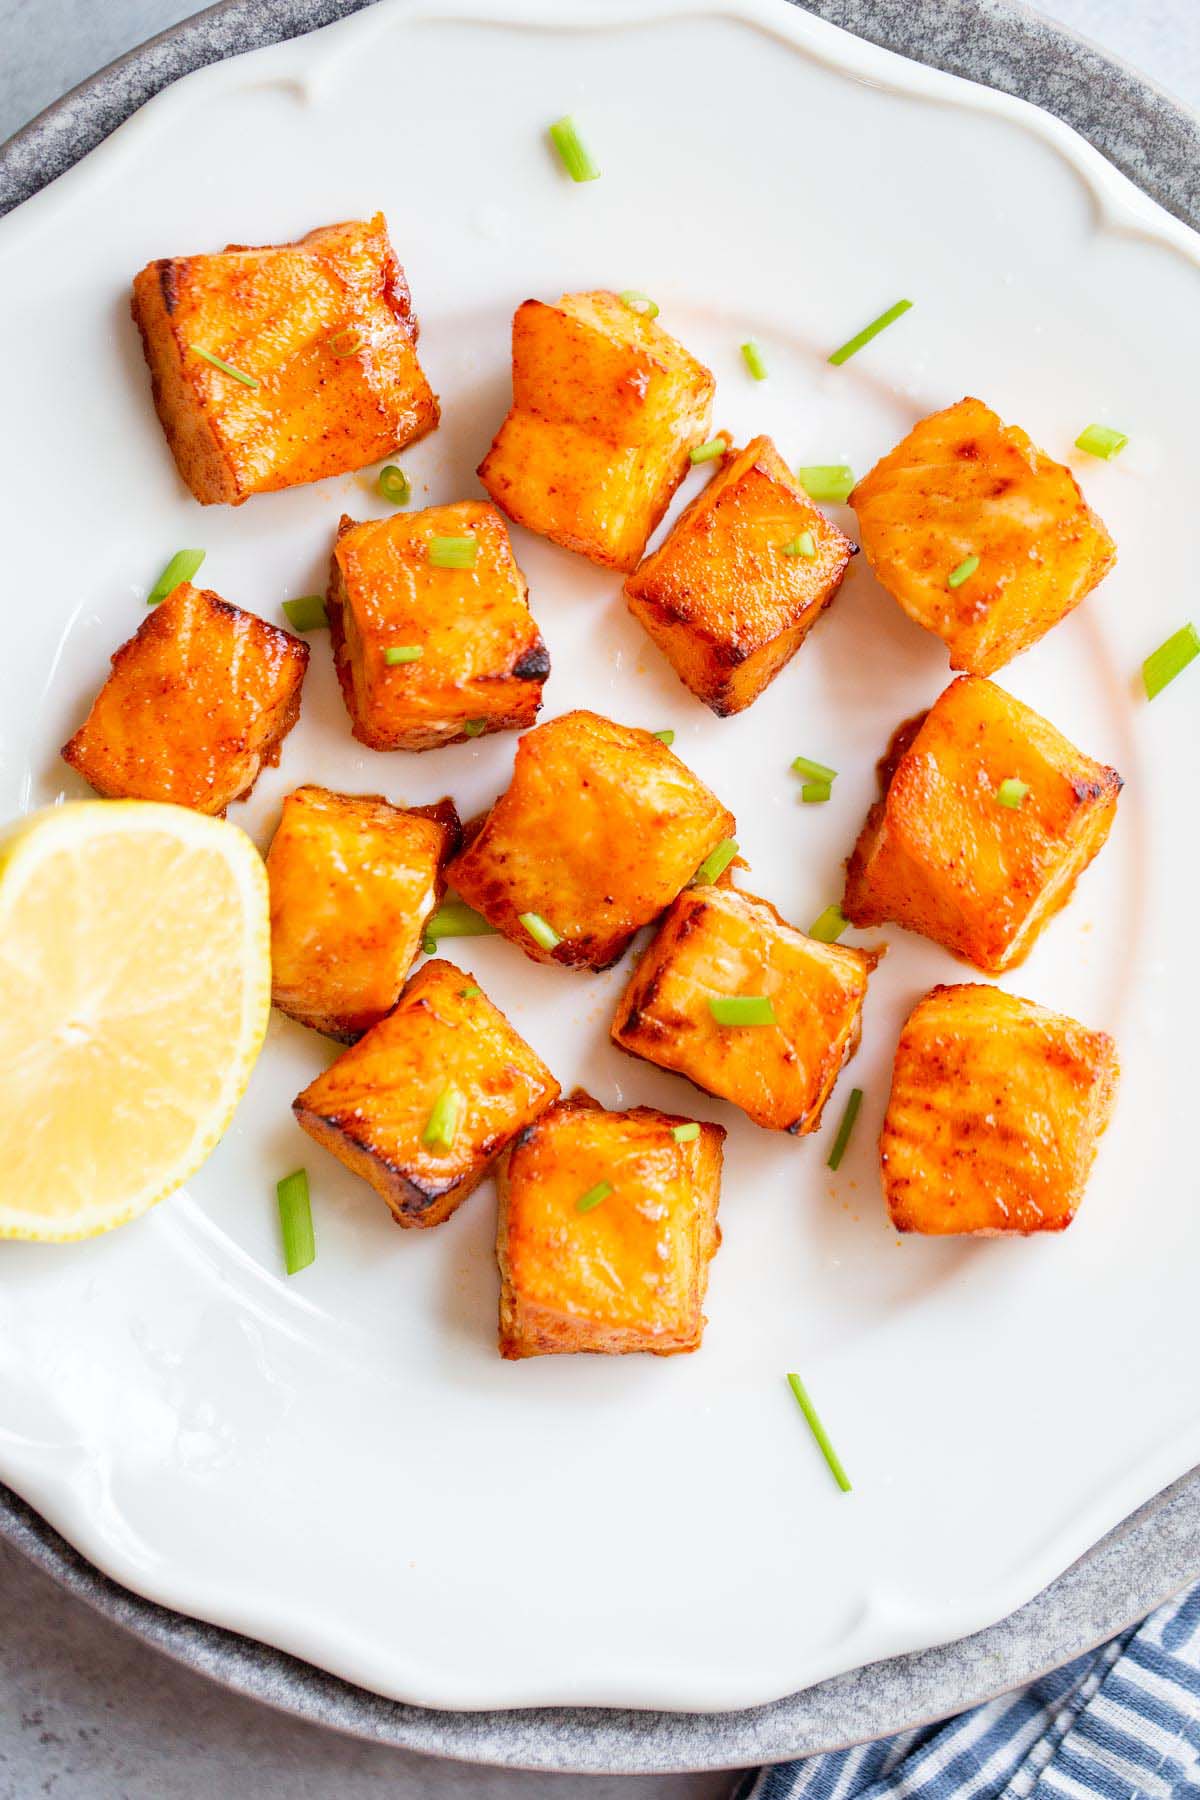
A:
[394, 485]
[715, 863]
[819, 1432]
[742, 1009]
[347, 342]
[828, 928]
[664, 737]
[1170, 659]
[441, 1128]
[1101, 440]
[567, 142]
[594, 1196]
[475, 727]
[845, 1128]
[250, 381]
[454, 918]
[182, 567]
[804, 545]
[1012, 792]
[830, 482]
[963, 572]
[538, 929]
[639, 303]
[295, 1219]
[853, 345]
[453, 552]
[402, 653]
[754, 360]
[709, 452]
[307, 613]
[686, 1134]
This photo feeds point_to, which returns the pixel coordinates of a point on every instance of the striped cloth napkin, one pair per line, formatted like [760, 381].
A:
[1119, 1723]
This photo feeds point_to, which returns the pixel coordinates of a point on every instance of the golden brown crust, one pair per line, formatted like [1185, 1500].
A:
[483, 661]
[996, 1110]
[199, 700]
[941, 855]
[723, 600]
[638, 826]
[627, 1275]
[606, 406]
[964, 484]
[715, 941]
[325, 328]
[371, 1107]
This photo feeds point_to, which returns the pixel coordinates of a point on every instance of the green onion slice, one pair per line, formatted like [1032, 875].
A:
[475, 727]
[250, 381]
[347, 342]
[829, 927]
[715, 863]
[567, 142]
[441, 1128]
[754, 361]
[182, 567]
[394, 485]
[594, 1196]
[1170, 659]
[1012, 792]
[470, 993]
[804, 545]
[295, 1219]
[709, 452]
[963, 572]
[819, 1432]
[686, 1134]
[845, 1128]
[813, 793]
[1101, 440]
[813, 771]
[831, 482]
[664, 737]
[453, 552]
[539, 930]
[639, 303]
[402, 653]
[853, 345]
[742, 1009]
[307, 613]
[454, 918]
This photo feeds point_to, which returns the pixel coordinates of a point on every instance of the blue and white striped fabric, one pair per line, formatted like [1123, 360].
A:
[1120, 1723]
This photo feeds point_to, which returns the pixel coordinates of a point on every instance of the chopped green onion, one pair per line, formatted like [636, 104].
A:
[307, 613]
[831, 482]
[250, 381]
[664, 737]
[813, 771]
[845, 1128]
[394, 485]
[829, 927]
[441, 1128]
[454, 918]
[754, 360]
[814, 792]
[819, 1432]
[686, 1134]
[1012, 792]
[715, 863]
[567, 142]
[539, 930]
[639, 303]
[964, 572]
[182, 567]
[594, 1196]
[470, 993]
[742, 1009]
[853, 345]
[475, 727]
[709, 452]
[402, 653]
[804, 545]
[1101, 440]
[347, 342]
[453, 552]
[1170, 659]
[295, 1219]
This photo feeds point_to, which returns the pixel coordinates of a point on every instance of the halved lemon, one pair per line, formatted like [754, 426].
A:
[135, 986]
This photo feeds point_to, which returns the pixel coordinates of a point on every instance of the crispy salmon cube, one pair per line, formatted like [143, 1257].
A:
[944, 854]
[425, 1102]
[742, 578]
[199, 701]
[599, 829]
[716, 942]
[996, 1111]
[606, 407]
[482, 662]
[353, 880]
[325, 334]
[607, 1226]
[963, 484]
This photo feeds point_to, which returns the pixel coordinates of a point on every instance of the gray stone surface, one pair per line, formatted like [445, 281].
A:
[90, 1711]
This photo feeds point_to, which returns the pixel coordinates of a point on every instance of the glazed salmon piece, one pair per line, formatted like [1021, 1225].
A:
[606, 407]
[199, 700]
[996, 1110]
[323, 330]
[374, 1106]
[963, 484]
[628, 1269]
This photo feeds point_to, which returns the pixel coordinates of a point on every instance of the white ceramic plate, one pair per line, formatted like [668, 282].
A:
[340, 1464]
